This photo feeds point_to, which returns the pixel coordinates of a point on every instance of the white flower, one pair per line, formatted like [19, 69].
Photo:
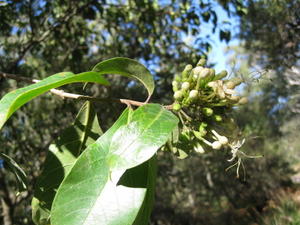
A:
[216, 145]
[193, 94]
[235, 146]
[222, 139]
[185, 86]
[236, 153]
[220, 88]
[197, 70]
[204, 73]
[178, 95]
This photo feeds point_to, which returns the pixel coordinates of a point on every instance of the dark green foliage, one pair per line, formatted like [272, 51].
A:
[276, 39]
[61, 157]
[132, 140]
[39, 38]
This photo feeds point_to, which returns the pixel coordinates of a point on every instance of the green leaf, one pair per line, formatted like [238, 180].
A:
[60, 159]
[146, 209]
[142, 176]
[129, 68]
[15, 99]
[16, 170]
[225, 35]
[89, 195]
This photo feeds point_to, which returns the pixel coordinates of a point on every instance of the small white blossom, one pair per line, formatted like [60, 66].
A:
[221, 89]
[193, 94]
[197, 70]
[204, 73]
[236, 153]
[222, 139]
[216, 145]
[185, 86]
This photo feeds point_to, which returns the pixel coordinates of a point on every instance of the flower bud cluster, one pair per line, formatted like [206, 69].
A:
[203, 101]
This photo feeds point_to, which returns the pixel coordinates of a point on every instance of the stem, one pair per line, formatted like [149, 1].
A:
[186, 115]
[205, 141]
[212, 95]
[64, 94]
[181, 119]
[198, 83]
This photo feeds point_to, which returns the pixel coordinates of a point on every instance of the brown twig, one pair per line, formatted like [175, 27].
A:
[64, 94]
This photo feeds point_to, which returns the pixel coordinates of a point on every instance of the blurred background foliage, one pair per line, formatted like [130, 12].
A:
[42, 37]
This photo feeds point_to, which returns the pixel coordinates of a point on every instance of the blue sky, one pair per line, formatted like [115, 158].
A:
[218, 55]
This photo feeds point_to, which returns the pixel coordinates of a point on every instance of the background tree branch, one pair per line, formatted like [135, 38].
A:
[64, 94]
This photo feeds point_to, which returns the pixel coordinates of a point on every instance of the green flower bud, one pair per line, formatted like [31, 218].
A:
[185, 136]
[178, 95]
[188, 67]
[193, 94]
[217, 118]
[234, 98]
[207, 111]
[216, 145]
[221, 75]
[236, 81]
[177, 78]
[202, 125]
[203, 132]
[212, 72]
[204, 73]
[186, 71]
[230, 85]
[243, 101]
[201, 62]
[197, 134]
[176, 106]
[185, 86]
[175, 86]
[202, 129]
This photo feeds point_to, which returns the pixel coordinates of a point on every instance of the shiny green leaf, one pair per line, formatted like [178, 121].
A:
[61, 157]
[89, 195]
[15, 99]
[142, 176]
[129, 68]
[146, 209]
